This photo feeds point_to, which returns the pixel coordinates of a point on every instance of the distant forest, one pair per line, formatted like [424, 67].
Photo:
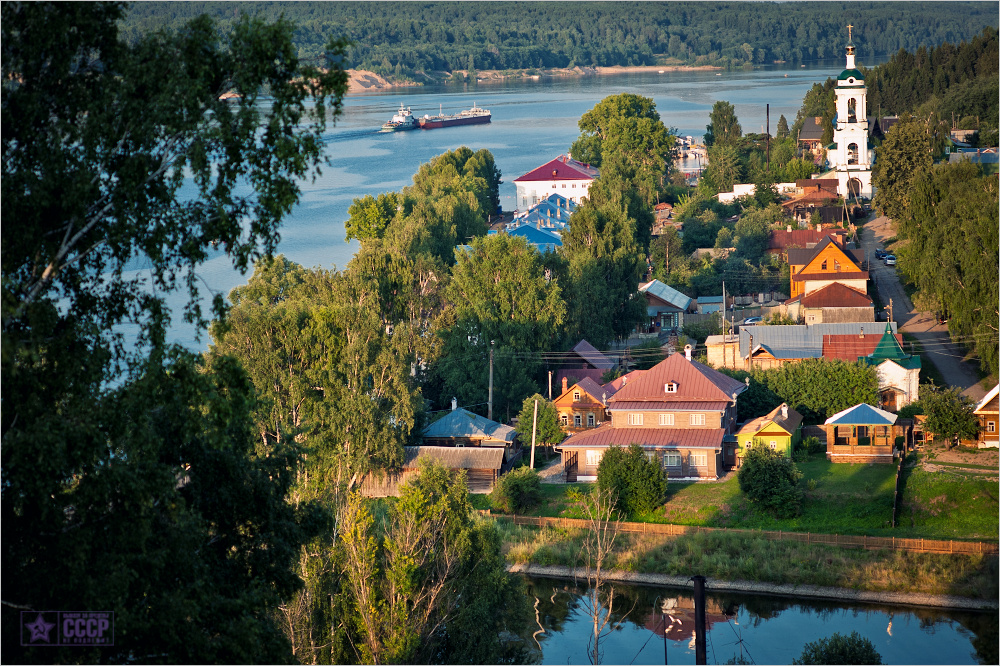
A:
[405, 39]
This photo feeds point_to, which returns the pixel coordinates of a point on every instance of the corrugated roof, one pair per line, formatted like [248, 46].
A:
[812, 129]
[836, 295]
[666, 294]
[465, 457]
[615, 385]
[679, 405]
[695, 382]
[798, 341]
[852, 275]
[782, 239]
[789, 424]
[542, 239]
[561, 168]
[862, 414]
[463, 423]
[680, 438]
[850, 347]
[592, 356]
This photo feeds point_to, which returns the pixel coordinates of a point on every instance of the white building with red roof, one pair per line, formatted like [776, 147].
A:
[563, 175]
[683, 413]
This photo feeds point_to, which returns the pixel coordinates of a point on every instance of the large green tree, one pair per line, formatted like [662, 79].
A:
[904, 154]
[724, 128]
[131, 479]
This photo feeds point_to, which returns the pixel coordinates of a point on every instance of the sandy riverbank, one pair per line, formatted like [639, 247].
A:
[364, 81]
[813, 591]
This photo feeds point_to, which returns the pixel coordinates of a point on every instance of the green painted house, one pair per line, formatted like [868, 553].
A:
[780, 429]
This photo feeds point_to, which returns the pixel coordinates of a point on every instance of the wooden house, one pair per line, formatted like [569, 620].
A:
[683, 413]
[779, 430]
[835, 303]
[581, 406]
[862, 434]
[665, 306]
[461, 428]
[481, 466]
[987, 411]
[827, 263]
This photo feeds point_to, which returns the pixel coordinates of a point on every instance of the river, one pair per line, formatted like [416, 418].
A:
[761, 629]
[533, 121]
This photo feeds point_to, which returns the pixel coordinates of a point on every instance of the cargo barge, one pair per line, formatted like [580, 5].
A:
[473, 116]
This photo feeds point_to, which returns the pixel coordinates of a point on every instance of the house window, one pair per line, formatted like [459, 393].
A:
[576, 420]
[666, 419]
[564, 186]
[699, 460]
[635, 419]
[594, 458]
[671, 460]
[697, 419]
[991, 426]
[670, 388]
[574, 186]
[576, 396]
[590, 420]
[749, 446]
[564, 419]
[822, 266]
[774, 445]
[836, 265]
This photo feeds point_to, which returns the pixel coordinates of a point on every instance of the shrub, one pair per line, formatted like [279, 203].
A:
[637, 483]
[770, 480]
[516, 491]
[839, 649]
[813, 445]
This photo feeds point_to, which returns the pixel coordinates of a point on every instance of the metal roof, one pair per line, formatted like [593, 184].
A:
[561, 168]
[454, 457]
[862, 414]
[592, 356]
[695, 383]
[671, 438]
[666, 294]
[665, 405]
[789, 424]
[980, 406]
[798, 341]
[542, 239]
[836, 295]
[463, 423]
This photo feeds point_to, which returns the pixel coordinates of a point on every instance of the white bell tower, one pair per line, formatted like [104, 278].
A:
[852, 156]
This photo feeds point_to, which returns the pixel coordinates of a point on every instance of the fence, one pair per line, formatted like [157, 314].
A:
[840, 540]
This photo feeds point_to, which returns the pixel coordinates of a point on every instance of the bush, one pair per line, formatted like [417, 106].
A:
[839, 649]
[701, 330]
[813, 445]
[770, 480]
[637, 483]
[516, 491]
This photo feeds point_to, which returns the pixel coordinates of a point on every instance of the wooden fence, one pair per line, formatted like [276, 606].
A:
[840, 540]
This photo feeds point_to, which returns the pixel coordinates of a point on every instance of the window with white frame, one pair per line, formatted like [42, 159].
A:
[774, 445]
[666, 419]
[671, 460]
[635, 419]
[749, 446]
[697, 419]
[670, 387]
[594, 458]
[991, 426]
[576, 396]
[576, 420]
[590, 420]
[564, 419]
[699, 460]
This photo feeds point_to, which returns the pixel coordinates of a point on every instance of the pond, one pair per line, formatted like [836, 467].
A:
[758, 629]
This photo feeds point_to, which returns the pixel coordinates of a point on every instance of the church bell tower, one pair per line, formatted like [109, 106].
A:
[851, 156]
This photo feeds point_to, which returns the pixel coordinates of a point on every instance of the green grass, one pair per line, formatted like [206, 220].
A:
[966, 465]
[946, 505]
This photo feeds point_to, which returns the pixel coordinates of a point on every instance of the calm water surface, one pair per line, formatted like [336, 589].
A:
[533, 122]
[764, 629]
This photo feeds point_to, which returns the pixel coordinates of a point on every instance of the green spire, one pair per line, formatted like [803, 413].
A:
[888, 347]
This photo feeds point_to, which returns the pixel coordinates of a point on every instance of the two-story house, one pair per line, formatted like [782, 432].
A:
[683, 413]
[581, 406]
[827, 263]
[987, 411]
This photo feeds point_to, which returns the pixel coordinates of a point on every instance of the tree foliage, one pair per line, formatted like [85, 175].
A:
[770, 480]
[369, 216]
[724, 128]
[637, 484]
[904, 155]
[840, 649]
[949, 414]
[548, 430]
[517, 490]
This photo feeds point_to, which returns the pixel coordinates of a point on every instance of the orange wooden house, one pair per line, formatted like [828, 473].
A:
[581, 406]
[827, 263]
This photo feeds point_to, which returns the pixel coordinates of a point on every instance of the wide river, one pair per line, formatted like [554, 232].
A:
[533, 122]
[759, 629]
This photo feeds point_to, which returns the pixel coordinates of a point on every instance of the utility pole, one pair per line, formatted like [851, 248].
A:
[489, 408]
[534, 430]
[768, 135]
[890, 309]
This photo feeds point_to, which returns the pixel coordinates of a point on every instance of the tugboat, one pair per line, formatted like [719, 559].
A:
[473, 116]
[403, 120]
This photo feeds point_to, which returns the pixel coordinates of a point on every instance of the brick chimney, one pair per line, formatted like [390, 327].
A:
[784, 410]
[565, 384]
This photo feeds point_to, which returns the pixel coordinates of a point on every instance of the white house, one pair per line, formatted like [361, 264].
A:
[563, 175]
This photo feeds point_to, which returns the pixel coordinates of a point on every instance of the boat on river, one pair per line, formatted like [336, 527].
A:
[473, 116]
[401, 121]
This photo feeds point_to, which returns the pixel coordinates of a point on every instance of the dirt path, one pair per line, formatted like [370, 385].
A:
[946, 356]
[814, 591]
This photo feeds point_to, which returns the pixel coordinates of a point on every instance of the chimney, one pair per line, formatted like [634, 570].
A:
[624, 380]
[746, 380]
[784, 410]
[819, 227]
[565, 385]
[454, 404]
[788, 228]
[687, 352]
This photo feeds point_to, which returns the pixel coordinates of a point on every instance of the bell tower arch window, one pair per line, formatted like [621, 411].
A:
[852, 153]
[852, 110]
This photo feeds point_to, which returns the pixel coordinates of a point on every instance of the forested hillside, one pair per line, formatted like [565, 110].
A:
[404, 39]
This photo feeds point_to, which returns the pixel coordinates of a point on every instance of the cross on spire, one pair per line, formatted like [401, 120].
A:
[849, 26]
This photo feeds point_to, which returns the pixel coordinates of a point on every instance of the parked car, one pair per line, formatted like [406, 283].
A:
[750, 321]
[890, 260]
[880, 253]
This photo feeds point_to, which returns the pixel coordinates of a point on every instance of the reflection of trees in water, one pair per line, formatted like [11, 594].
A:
[985, 635]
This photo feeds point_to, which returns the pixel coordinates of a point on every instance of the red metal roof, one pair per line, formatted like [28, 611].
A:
[853, 275]
[680, 438]
[836, 295]
[615, 385]
[851, 347]
[682, 406]
[561, 168]
[695, 382]
[781, 239]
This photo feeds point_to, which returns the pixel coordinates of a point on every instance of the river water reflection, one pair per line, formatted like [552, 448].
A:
[761, 629]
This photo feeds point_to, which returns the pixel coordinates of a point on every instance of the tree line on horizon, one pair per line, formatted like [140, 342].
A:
[404, 39]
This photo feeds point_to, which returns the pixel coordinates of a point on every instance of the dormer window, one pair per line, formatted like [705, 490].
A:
[670, 387]
[576, 396]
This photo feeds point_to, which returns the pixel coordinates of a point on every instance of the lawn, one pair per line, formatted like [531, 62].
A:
[947, 504]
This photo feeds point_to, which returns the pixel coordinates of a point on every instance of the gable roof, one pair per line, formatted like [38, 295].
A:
[812, 129]
[990, 396]
[782, 239]
[453, 457]
[851, 347]
[862, 414]
[789, 424]
[463, 423]
[588, 353]
[695, 382]
[803, 257]
[890, 349]
[666, 294]
[542, 239]
[616, 385]
[561, 168]
[681, 438]
[836, 295]
[588, 386]
[797, 341]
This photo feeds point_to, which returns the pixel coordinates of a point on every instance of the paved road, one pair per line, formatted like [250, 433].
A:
[938, 347]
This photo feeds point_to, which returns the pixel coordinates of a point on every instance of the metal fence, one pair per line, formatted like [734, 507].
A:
[840, 540]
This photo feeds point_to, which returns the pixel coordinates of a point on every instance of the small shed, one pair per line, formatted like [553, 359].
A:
[780, 430]
[862, 434]
[482, 469]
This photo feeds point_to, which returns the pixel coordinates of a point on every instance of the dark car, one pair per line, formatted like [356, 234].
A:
[880, 253]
